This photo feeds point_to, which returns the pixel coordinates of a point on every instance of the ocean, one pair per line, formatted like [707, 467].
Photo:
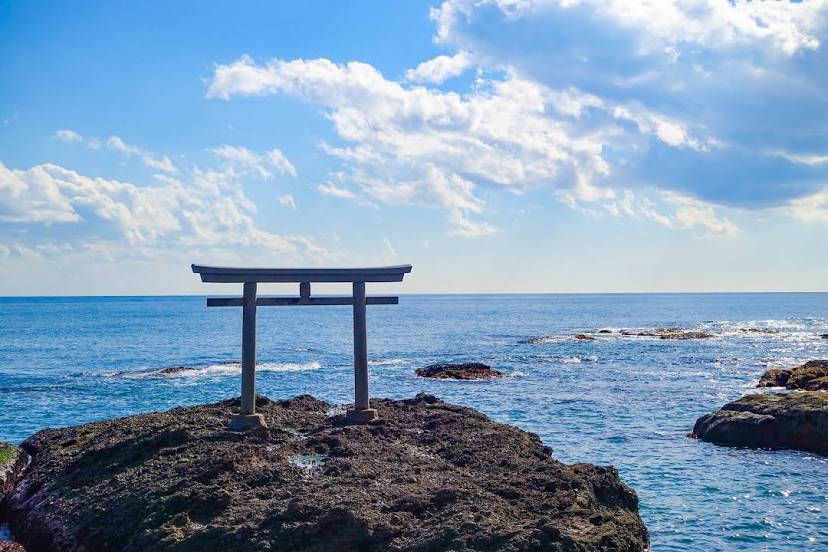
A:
[625, 401]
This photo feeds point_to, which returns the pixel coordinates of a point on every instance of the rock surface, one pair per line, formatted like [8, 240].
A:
[667, 333]
[12, 461]
[465, 371]
[584, 337]
[774, 378]
[811, 376]
[426, 476]
[791, 420]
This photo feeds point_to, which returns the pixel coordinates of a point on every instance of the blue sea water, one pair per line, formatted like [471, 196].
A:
[625, 401]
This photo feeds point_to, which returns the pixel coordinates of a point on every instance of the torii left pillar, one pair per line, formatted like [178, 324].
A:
[248, 418]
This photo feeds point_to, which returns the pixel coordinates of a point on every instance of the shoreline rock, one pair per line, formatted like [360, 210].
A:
[811, 376]
[427, 475]
[13, 460]
[666, 333]
[796, 420]
[464, 371]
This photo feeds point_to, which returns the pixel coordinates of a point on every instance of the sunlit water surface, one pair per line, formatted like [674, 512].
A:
[628, 401]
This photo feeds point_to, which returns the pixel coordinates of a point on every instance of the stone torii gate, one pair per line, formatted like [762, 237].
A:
[250, 277]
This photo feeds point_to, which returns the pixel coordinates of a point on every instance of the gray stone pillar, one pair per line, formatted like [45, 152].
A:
[362, 412]
[247, 417]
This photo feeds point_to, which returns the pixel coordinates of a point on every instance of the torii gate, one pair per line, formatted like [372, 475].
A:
[250, 277]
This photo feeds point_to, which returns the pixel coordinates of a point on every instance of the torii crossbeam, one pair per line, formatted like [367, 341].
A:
[250, 277]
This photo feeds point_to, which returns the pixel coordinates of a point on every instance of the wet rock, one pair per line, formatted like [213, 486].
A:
[12, 461]
[823, 336]
[774, 378]
[791, 420]
[171, 370]
[584, 337]
[465, 371]
[426, 476]
[805, 376]
[604, 331]
[667, 333]
[759, 330]
[685, 335]
[808, 377]
[541, 339]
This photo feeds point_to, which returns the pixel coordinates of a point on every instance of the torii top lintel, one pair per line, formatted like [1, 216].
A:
[299, 275]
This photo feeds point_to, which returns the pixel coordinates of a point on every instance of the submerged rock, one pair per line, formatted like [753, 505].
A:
[584, 337]
[811, 376]
[667, 333]
[426, 476]
[791, 420]
[759, 330]
[465, 371]
[541, 339]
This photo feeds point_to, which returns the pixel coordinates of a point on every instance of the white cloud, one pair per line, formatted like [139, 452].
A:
[208, 212]
[159, 163]
[813, 208]
[249, 160]
[335, 191]
[785, 26]
[439, 69]
[288, 201]
[695, 214]
[67, 135]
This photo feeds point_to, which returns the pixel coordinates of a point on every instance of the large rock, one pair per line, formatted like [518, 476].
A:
[667, 333]
[426, 476]
[791, 420]
[465, 371]
[811, 376]
[12, 461]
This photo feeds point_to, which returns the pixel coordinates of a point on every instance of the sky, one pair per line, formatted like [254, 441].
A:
[495, 145]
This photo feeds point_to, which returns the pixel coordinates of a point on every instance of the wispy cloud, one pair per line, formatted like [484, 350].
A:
[150, 160]
[258, 162]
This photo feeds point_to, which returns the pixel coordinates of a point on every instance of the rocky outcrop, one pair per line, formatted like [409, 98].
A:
[774, 378]
[465, 371]
[667, 333]
[584, 337]
[425, 476]
[791, 420]
[12, 461]
[541, 339]
[811, 376]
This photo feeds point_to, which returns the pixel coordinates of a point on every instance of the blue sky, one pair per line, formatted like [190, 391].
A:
[529, 145]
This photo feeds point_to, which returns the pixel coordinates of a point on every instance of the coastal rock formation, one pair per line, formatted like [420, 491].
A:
[759, 330]
[12, 461]
[667, 333]
[541, 339]
[811, 376]
[774, 378]
[584, 337]
[791, 420]
[425, 476]
[465, 371]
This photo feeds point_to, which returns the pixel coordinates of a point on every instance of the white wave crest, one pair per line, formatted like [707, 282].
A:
[388, 362]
